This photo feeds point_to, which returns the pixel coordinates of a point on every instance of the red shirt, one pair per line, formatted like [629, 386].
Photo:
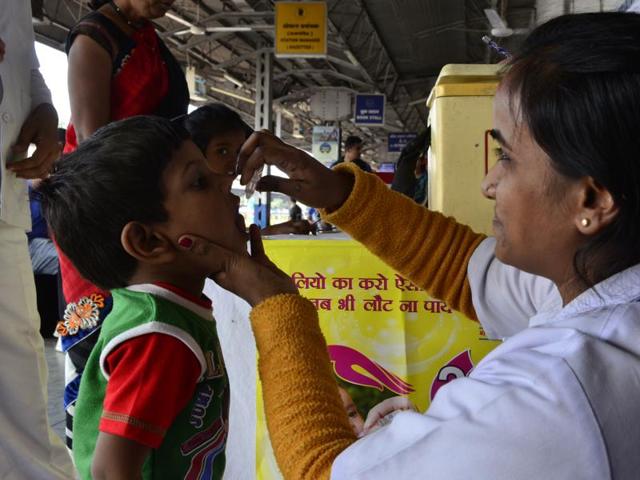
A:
[152, 378]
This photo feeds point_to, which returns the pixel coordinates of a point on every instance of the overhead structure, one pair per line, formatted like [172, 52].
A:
[499, 26]
[264, 107]
[394, 47]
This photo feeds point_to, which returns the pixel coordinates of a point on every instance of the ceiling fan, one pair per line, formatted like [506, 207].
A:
[499, 26]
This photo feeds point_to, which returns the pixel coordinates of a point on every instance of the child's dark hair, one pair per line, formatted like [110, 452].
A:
[213, 119]
[114, 177]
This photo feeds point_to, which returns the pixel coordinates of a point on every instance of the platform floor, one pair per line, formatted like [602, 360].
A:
[55, 362]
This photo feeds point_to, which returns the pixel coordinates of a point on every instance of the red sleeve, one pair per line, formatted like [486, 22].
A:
[152, 378]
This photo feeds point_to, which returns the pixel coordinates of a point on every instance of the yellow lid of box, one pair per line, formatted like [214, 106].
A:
[462, 80]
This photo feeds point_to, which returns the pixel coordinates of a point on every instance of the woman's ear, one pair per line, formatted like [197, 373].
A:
[146, 244]
[598, 208]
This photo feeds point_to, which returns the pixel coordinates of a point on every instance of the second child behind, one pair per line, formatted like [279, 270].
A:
[219, 132]
[154, 397]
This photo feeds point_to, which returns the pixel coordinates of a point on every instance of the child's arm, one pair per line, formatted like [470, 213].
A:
[151, 379]
[117, 458]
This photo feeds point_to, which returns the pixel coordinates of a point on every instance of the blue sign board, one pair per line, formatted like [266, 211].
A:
[369, 110]
[397, 141]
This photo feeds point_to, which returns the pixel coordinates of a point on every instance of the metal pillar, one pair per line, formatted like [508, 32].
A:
[264, 106]
[278, 131]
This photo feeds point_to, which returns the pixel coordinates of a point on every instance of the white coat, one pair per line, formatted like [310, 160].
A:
[557, 400]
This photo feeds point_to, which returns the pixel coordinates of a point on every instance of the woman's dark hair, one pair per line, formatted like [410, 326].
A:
[114, 177]
[577, 78]
[213, 119]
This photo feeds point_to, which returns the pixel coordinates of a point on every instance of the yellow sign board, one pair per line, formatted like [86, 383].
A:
[385, 336]
[301, 29]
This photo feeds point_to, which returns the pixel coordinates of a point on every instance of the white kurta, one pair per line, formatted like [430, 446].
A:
[558, 399]
[28, 447]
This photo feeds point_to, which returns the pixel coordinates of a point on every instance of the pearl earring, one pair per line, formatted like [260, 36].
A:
[585, 222]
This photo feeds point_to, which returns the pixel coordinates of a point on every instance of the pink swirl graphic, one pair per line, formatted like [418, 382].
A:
[458, 367]
[344, 360]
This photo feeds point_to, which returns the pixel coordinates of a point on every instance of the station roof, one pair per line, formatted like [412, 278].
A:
[395, 47]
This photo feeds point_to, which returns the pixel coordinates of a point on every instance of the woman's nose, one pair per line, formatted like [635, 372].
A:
[488, 185]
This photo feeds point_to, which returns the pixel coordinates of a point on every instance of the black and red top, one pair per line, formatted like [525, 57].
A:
[146, 80]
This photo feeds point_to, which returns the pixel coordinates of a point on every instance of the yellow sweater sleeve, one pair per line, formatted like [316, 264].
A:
[307, 423]
[428, 248]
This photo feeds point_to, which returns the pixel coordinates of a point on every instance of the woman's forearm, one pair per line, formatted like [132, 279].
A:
[430, 249]
[307, 423]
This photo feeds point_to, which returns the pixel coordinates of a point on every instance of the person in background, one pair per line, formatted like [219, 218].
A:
[118, 67]
[219, 132]
[352, 151]
[420, 172]
[405, 179]
[290, 227]
[558, 398]
[295, 212]
[44, 257]
[355, 419]
[313, 215]
[29, 449]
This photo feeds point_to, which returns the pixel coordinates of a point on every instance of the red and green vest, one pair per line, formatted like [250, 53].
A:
[193, 448]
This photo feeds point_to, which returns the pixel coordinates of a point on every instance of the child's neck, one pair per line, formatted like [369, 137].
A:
[189, 283]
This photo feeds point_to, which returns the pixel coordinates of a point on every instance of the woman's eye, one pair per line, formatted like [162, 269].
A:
[501, 155]
[223, 151]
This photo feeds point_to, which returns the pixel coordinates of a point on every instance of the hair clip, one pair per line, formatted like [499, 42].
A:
[499, 50]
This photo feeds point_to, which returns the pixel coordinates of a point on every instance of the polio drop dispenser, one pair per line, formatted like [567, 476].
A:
[461, 115]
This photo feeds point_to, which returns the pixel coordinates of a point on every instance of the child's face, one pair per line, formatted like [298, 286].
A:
[222, 151]
[355, 419]
[199, 201]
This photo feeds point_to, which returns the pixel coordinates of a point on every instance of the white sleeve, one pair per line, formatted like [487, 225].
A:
[503, 296]
[479, 430]
[39, 91]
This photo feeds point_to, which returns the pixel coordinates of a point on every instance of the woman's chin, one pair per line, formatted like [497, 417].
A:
[501, 252]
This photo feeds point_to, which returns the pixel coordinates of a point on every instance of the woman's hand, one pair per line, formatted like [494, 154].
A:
[253, 278]
[309, 181]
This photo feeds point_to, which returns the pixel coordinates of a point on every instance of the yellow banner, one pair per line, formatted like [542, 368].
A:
[385, 336]
[301, 29]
